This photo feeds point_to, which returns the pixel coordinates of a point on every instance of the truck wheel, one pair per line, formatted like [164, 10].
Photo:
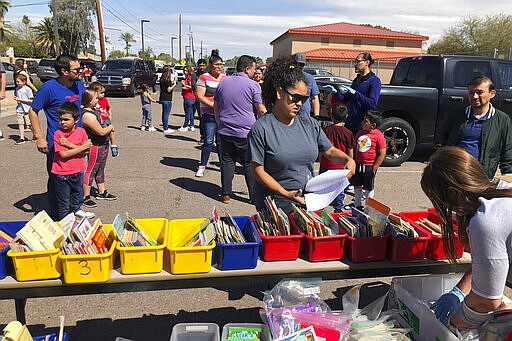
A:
[132, 91]
[400, 141]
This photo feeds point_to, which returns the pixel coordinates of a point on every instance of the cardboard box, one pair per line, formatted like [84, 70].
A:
[412, 295]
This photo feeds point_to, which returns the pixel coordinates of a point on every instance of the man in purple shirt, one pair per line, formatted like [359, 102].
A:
[237, 99]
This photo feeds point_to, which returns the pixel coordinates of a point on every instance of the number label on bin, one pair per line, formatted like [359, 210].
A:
[86, 270]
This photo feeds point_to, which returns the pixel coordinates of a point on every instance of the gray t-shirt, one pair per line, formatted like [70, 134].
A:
[490, 238]
[287, 152]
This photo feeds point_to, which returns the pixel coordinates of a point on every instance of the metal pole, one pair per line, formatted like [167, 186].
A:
[142, 32]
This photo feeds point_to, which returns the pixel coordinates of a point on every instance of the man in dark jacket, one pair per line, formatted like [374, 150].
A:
[482, 130]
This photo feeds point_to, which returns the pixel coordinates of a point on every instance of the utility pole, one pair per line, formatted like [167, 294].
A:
[179, 36]
[55, 28]
[201, 53]
[142, 32]
[100, 29]
[192, 44]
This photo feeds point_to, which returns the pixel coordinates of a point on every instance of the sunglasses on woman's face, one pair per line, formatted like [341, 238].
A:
[296, 98]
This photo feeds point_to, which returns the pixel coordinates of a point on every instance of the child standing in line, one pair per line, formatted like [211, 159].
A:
[341, 138]
[71, 144]
[23, 95]
[105, 111]
[370, 152]
[98, 133]
[146, 99]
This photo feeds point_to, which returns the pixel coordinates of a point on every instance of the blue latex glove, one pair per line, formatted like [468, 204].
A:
[344, 89]
[330, 88]
[446, 305]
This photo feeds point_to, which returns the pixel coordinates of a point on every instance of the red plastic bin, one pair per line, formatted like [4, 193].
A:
[278, 248]
[318, 249]
[371, 249]
[435, 246]
[408, 249]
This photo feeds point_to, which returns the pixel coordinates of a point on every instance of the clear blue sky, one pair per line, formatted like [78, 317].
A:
[247, 27]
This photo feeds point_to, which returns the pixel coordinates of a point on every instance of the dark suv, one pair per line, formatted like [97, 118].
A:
[126, 75]
[46, 70]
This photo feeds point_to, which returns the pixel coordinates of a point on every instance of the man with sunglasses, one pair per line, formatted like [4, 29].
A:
[68, 87]
[312, 105]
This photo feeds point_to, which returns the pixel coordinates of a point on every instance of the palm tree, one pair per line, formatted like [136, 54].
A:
[4, 7]
[127, 38]
[44, 36]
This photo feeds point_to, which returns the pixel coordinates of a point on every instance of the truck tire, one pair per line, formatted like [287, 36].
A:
[132, 91]
[400, 141]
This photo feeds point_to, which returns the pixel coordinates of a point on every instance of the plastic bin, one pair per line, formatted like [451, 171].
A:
[370, 249]
[90, 268]
[195, 332]
[317, 249]
[264, 336]
[243, 255]
[9, 227]
[408, 249]
[435, 246]
[192, 259]
[145, 259]
[51, 337]
[279, 248]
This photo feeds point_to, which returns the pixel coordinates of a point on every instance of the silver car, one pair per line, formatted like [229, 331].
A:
[9, 73]
[46, 70]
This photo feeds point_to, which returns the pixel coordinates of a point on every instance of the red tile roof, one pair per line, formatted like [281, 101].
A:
[343, 54]
[352, 30]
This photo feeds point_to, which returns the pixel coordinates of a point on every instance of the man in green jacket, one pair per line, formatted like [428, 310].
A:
[482, 130]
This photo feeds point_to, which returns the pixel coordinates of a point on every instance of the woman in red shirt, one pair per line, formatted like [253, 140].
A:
[189, 99]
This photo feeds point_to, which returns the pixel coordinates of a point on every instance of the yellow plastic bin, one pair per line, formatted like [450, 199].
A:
[192, 259]
[36, 265]
[145, 259]
[90, 268]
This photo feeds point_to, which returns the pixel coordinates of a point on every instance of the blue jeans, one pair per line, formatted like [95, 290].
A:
[68, 194]
[166, 112]
[188, 106]
[210, 134]
[338, 202]
[50, 185]
[146, 116]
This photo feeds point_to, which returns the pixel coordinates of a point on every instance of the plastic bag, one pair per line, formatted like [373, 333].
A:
[295, 292]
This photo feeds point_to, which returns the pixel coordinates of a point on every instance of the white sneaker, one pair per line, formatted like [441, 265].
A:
[183, 129]
[151, 129]
[200, 171]
[142, 128]
[169, 131]
[191, 128]
[81, 214]
[1, 136]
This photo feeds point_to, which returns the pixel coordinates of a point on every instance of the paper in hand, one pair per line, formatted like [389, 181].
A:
[322, 189]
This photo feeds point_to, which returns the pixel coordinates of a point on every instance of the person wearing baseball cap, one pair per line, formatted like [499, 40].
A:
[312, 105]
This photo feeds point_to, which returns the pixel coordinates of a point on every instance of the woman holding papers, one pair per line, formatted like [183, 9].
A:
[457, 185]
[284, 145]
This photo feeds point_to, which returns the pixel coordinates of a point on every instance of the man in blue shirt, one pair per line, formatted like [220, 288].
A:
[312, 105]
[482, 130]
[68, 87]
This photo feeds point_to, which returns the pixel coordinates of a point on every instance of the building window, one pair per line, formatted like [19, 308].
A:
[357, 42]
[324, 41]
[390, 44]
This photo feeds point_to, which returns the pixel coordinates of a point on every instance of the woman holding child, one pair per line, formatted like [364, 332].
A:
[284, 145]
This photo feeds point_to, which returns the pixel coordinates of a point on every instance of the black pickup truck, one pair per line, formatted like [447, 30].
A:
[424, 90]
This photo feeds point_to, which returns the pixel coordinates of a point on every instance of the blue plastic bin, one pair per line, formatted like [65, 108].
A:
[51, 337]
[9, 227]
[242, 255]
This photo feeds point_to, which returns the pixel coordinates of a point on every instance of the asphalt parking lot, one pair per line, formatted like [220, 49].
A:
[154, 177]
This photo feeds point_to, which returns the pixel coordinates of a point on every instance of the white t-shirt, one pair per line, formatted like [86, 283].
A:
[23, 93]
[490, 238]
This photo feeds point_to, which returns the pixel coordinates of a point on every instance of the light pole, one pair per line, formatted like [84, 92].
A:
[173, 38]
[142, 32]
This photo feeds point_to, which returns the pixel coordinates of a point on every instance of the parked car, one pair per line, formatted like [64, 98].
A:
[230, 71]
[179, 72]
[424, 90]
[32, 66]
[9, 74]
[317, 72]
[126, 75]
[332, 79]
[93, 65]
[46, 70]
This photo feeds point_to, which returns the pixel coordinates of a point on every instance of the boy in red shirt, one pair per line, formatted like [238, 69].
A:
[370, 152]
[341, 138]
[106, 114]
[71, 144]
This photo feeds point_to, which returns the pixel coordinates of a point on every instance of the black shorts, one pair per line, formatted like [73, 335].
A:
[364, 177]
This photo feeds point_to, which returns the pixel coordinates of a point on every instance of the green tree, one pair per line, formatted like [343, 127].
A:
[128, 39]
[147, 53]
[4, 7]
[44, 36]
[116, 54]
[75, 25]
[476, 35]
[165, 57]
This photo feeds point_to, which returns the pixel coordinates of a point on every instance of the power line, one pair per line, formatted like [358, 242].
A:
[31, 4]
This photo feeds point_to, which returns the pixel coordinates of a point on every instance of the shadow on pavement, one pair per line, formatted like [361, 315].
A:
[422, 152]
[192, 185]
[185, 163]
[174, 136]
[33, 203]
